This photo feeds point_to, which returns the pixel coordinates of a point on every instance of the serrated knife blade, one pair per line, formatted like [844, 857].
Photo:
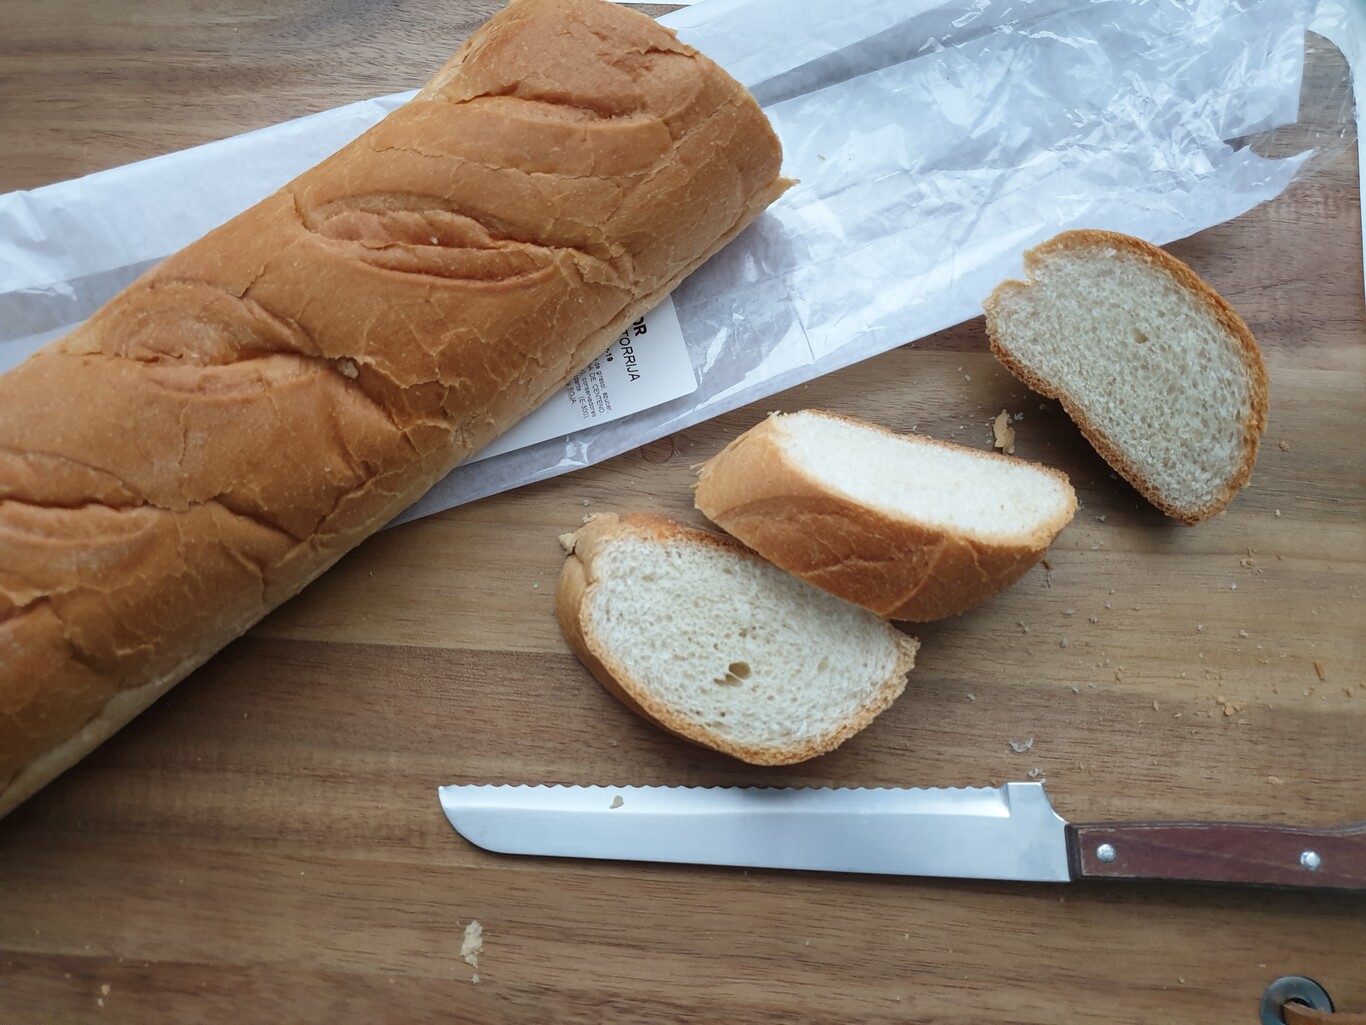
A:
[1006, 833]
[1009, 832]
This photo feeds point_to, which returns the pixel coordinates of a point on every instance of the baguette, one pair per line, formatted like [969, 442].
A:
[1162, 377]
[703, 638]
[908, 527]
[245, 413]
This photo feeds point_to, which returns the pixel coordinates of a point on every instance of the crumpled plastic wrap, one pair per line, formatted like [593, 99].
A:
[933, 141]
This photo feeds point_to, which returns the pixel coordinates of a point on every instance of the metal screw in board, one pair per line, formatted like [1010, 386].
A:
[1106, 852]
[1292, 989]
[1311, 860]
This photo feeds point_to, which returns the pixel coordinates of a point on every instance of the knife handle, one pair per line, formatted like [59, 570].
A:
[1220, 852]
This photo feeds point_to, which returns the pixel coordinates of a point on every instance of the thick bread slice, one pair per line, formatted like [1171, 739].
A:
[236, 420]
[1162, 376]
[907, 526]
[702, 637]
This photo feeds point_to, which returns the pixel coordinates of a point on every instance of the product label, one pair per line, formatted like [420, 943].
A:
[647, 365]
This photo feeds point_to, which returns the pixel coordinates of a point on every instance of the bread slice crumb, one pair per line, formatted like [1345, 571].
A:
[472, 944]
[1003, 434]
[1021, 746]
[617, 802]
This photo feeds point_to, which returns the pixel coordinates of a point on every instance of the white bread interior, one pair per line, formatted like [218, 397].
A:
[244, 414]
[702, 637]
[1164, 379]
[908, 527]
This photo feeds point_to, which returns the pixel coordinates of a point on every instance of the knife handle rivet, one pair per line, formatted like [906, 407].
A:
[1311, 860]
[1106, 852]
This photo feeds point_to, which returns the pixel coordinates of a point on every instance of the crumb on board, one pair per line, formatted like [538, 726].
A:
[617, 802]
[1003, 435]
[1318, 668]
[1275, 781]
[972, 697]
[1284, 446]
[473, 943]
[104, 989]
[1021, 746]
[1034, 773]
[1278, 514]
[1230, 707]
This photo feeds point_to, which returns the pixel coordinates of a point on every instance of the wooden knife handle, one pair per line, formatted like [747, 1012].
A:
[1217, 852]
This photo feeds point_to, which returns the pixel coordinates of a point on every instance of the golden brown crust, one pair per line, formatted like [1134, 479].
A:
[241, 416]
[1251, 356]
[578, 576]
[894, 567]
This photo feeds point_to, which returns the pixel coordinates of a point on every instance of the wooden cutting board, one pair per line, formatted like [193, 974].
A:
[266, 845]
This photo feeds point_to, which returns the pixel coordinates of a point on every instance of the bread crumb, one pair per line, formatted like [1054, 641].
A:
[1233, 586]
[972, 697]
[1034, 772]
[1003, 434]
[1275, 781]
[1278, 514]
[475, 978]
[585, 503]
[1285, 446]
[1062, 643]
[1092, 619]
[588, 518]
[347, 368]
[1021, 746]
[1023, 628]
[472, 944]
[617, 802]
[104, 989]
[1199, 628]
[1242, 633]
[1154, 706]
[1228, 711]
[1318, 668]
[1076, 690]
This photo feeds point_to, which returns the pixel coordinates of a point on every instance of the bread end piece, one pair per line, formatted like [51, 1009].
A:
[1175, 349]
[802, 516]
[581, 573]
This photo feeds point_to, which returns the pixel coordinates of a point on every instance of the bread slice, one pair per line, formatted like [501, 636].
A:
[906, 526]
[704, 638]
[1162, 377]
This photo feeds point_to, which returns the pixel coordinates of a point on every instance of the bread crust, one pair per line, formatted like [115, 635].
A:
[244, 414]
[894, 567]
[1236, 328]
[577, 578]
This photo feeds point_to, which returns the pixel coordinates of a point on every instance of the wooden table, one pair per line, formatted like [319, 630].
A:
[265, 844]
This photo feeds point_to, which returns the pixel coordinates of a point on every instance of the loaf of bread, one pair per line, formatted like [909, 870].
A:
[697, 634]
[906, 526]
[1162, 376]
[236, 420]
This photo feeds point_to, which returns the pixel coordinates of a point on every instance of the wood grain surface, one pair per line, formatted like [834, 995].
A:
[265, 844]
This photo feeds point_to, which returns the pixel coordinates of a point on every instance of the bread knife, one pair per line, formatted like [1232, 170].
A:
[1009, 832]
